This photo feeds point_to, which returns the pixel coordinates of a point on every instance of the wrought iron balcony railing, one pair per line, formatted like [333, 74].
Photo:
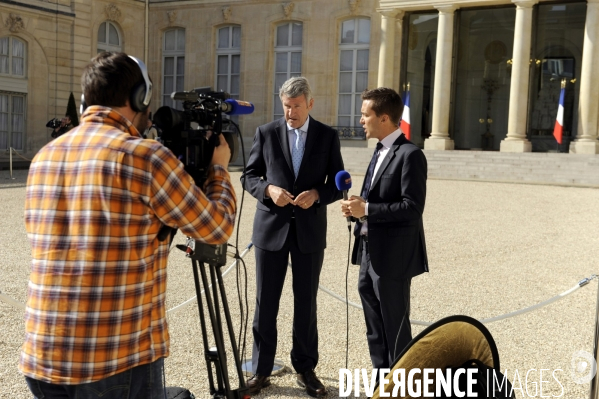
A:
[350, 132]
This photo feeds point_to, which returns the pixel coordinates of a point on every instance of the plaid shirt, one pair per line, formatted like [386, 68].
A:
[96, 199]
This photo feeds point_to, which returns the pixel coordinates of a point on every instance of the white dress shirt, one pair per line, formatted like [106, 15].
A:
[387, 142]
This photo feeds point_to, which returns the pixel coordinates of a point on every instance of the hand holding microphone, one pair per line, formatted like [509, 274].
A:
[355, 206]
[343, 183]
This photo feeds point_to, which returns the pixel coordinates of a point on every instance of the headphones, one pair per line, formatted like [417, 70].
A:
[140, 96]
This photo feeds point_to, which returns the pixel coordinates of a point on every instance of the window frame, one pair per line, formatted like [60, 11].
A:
[10, 116]
[11, 73]
[354, 48]
[176, 55]
[288, 49]
[229, 52]
[100, 47]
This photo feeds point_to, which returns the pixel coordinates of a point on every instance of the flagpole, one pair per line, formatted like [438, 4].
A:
[563, 86]
[405, 122]
[559, 120]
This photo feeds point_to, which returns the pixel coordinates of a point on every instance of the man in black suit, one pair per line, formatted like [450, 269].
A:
[389, 245]
[291, 172]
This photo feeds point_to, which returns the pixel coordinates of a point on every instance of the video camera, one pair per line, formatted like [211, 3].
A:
[185, 132]
[53, 123]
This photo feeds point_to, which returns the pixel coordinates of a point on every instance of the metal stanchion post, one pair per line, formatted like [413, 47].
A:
[10, 161]
[594, 382]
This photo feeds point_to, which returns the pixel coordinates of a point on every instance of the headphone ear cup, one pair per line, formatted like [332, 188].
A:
[83, 105]
[137, 98]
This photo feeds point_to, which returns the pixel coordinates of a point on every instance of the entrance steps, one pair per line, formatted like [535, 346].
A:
[530, 168]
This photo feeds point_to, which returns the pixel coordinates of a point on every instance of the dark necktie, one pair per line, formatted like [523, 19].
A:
[370, 171]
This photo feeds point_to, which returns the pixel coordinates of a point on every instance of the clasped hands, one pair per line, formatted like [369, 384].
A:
[354, 206]
[282, 197]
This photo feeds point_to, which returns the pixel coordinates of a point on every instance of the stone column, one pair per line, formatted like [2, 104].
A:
[588, 102]
[439, 139]
[387, 48]
[516, 140]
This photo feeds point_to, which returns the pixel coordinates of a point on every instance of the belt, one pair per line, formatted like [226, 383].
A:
[364, 238]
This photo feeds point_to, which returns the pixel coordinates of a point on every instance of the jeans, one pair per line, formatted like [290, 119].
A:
[141, 382]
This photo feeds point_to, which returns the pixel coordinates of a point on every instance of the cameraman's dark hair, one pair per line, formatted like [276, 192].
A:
[109, 79]
[385, 101]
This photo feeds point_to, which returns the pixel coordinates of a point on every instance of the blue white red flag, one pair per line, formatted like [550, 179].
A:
[559, 121]
[405, 117]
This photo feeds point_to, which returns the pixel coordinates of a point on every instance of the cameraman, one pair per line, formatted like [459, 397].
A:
[61, 128]
[95, 323]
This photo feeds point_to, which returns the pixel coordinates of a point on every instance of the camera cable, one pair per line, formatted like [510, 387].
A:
[244, 318]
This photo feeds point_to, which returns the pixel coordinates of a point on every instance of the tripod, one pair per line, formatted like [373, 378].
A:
[215, 256]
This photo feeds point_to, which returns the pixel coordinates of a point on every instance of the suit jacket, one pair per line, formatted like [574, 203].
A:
[270, 163]
[395, 204]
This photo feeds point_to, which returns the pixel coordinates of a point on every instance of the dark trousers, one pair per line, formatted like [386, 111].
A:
[386, 304]
[271, 268]
[141, 382]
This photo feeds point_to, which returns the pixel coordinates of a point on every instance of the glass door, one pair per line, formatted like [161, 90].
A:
[557, 52]
[419, 76]
[482, 77]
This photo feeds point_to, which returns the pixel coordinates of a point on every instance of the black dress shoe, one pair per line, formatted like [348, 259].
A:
[256, 383]
[312, 384]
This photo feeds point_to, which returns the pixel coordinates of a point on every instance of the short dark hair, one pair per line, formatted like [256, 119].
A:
[109, 79]
[385, 101]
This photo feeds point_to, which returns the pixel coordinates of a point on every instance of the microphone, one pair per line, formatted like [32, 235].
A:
[343, 183]
[236, 107]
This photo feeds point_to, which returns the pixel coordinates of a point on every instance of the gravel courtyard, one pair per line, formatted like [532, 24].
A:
[493, 248]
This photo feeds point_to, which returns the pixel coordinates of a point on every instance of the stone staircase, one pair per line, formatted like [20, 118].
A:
[530, 168]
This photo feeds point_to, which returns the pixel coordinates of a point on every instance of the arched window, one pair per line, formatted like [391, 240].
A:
[288, 58]
[173, 65]
[353, 69]
[12, 57]
[109, 38]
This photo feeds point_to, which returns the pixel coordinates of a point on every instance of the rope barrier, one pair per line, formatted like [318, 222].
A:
[579, 285]
[11, 301]
[19, 155]
[10, 151]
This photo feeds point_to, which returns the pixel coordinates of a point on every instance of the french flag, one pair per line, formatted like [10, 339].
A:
[559, 121]
[405, 117]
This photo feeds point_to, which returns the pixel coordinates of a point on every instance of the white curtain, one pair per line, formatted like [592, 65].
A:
[18, 122]
[4, 55]
[12, 121]
[18, 57]
[3, 121]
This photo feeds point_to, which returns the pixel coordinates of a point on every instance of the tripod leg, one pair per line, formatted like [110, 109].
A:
[227, 313]
[203, 326]
[217, 330]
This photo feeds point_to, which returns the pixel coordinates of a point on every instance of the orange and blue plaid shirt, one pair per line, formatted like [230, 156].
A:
[96, 199]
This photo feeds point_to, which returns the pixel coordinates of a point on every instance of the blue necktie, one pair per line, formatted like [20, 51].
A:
[297, 151]
[370, 171]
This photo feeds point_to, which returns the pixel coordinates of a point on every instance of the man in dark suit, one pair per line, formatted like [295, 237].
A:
[291, 172]
[389, 245]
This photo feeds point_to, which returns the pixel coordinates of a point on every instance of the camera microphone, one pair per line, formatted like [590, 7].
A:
[185, 96]
[228, 106]
[236, 107]
[343, 183]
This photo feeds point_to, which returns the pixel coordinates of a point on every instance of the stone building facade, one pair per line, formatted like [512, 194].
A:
[43, 48]
[494, 87]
